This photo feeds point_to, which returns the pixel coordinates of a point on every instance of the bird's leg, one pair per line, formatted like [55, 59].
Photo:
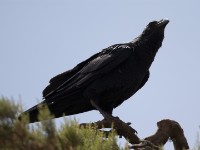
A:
[105, 114]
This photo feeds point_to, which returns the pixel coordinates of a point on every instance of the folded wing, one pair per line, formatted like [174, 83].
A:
[86, 72]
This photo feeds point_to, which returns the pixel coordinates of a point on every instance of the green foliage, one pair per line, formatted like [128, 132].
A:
[18, 135]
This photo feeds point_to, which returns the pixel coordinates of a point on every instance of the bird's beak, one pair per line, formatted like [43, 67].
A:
[163, 22]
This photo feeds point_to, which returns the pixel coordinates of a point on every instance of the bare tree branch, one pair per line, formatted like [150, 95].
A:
[167, 129]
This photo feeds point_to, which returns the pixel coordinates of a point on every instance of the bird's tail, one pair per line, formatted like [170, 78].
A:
[58, 108]
[33, 113]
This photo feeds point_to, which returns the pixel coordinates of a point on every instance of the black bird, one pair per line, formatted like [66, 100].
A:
[106, 79]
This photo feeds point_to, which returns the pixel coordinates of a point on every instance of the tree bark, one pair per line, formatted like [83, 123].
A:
[167, 129]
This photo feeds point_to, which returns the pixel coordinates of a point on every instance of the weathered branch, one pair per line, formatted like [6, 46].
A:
[167, 129]
[122, 128]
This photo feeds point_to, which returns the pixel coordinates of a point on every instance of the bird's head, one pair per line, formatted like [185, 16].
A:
[154, 31]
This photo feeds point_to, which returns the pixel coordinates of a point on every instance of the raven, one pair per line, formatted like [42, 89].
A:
[106, 79]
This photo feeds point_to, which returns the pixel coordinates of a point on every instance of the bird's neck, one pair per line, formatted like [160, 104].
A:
[148, 45]
[146, 49]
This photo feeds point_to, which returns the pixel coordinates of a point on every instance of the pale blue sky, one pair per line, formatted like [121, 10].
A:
[40, 39]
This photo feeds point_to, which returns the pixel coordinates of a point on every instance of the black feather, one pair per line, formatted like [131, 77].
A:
[108, 77]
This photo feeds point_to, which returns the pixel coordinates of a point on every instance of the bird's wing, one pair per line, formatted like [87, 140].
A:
[107, 61]
[58, 80]
[100, 65]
